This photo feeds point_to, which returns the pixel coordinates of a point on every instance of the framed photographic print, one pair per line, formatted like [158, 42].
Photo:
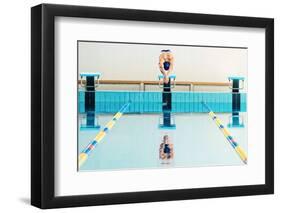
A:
[139, 106]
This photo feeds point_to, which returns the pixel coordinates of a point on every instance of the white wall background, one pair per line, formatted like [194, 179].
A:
[118, 61]
[15, 112]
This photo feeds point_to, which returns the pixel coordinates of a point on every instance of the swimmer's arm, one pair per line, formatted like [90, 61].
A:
[171, 68]
[161, 152]
[172, 150]
[165, 74]
[161, 66]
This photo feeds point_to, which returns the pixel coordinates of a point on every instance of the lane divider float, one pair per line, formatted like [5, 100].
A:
[83, 156]
[241, 153]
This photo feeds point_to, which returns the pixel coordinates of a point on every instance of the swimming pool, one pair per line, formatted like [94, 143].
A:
[134, 141]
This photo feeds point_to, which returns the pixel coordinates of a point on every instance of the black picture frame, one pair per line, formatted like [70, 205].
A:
[43, 105]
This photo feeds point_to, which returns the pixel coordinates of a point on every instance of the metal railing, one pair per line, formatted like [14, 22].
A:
[143, 84]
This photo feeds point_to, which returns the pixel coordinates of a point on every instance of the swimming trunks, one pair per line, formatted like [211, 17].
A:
[166, 65]
[167, 149]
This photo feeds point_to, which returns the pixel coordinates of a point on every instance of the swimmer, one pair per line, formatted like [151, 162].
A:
[166, 150]
[166, 64]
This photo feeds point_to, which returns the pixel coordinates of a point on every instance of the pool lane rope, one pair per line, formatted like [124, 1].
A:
[83, 156]
[241, 153]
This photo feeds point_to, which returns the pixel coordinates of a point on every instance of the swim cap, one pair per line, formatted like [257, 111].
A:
[165, 51]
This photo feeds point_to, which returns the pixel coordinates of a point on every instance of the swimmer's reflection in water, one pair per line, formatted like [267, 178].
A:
[166, 150]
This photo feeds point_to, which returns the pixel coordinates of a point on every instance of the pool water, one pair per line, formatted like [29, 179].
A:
[134, 141]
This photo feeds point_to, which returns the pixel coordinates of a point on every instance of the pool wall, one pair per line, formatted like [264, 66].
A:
[151, 102]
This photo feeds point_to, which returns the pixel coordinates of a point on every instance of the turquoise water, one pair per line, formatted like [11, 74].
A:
[134, 141]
